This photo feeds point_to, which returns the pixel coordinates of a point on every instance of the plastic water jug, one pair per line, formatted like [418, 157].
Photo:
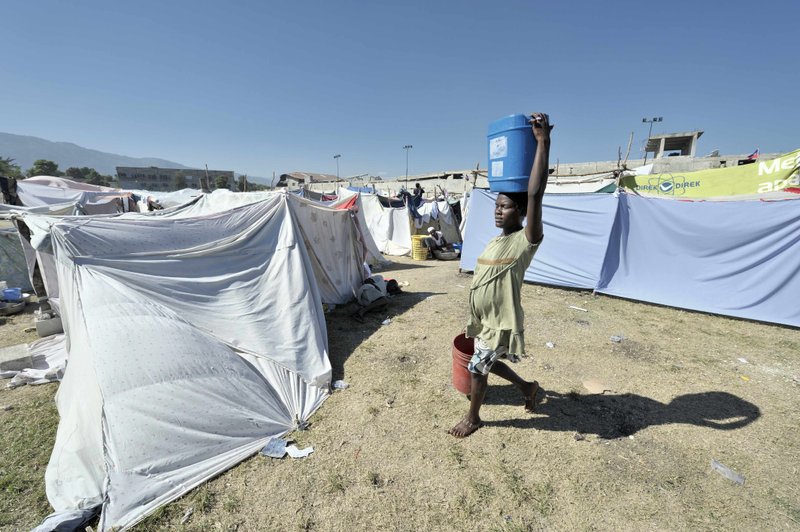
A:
[511, 151]
[12, 294]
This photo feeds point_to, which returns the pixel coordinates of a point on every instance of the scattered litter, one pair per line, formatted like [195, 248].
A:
[727, 472]
[387, 321]
[578, 308]
[6, 408]
[550, 345]
[294, 452]
[187, 515]
[595, 386]
[630, 437]
[509, 518]
[390, 402]
[617, 338]
[579, 437]
[403, 283]
[340, 385]
[742, 360]
[745, 379]
[796, 379]
[275, 448]
[29, 329]
[461, 286]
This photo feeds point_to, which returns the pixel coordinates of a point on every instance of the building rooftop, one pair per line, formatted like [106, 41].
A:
[683, 142]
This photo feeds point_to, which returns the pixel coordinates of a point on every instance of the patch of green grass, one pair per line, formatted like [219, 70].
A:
[516, 485]
[543, 497]
[336, 483]
[203, 499]
[457, 453]
[482, 489]
[231, 503]
[27, 435]
[789, 344]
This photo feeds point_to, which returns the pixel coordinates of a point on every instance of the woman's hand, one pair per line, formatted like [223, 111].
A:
[540, 123]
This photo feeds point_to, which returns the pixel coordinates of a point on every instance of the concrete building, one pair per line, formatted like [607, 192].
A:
[299, 179]
[167, 179]
[685, 143]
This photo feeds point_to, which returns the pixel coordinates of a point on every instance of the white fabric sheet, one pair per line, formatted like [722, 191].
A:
[191, 344]
[390, 227]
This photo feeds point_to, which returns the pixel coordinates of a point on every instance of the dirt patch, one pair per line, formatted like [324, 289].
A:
[678, 397]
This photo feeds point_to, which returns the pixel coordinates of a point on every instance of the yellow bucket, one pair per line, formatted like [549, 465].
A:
[418, 249]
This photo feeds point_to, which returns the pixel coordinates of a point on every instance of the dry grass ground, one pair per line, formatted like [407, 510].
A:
[678, 397]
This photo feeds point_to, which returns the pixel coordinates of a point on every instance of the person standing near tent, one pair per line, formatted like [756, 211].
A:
[418, 192]
[496, 317]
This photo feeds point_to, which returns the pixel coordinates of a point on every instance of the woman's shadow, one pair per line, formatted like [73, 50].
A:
[618, 415]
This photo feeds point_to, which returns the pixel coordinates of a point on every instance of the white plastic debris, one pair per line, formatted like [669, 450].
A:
[727, 472]
[340, 385]
[294, 452]
[550, 345]
[617, 338]
[742, 360]
[187, 515]
[387, 321]
[578, 308]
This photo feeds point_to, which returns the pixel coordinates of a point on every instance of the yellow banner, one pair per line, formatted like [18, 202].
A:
[756, 178]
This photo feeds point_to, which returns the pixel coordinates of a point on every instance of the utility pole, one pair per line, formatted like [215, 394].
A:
[337, 156]
[645, 121]
[407, 147]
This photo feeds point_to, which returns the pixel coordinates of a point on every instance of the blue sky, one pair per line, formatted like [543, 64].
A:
[258, 86]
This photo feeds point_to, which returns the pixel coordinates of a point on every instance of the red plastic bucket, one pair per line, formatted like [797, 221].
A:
[463, 348]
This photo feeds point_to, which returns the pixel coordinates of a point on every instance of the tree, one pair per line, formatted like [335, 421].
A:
[44, 167]
[241, 183]
[221, 181]
[74, 173]
[93, 177]
[8, 168]
[179, 181]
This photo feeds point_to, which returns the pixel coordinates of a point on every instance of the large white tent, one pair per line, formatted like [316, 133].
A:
[191, 344]
[332, 236]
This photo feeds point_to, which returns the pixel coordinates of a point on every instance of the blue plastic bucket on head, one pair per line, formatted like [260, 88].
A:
[12, 294]
[511, 151]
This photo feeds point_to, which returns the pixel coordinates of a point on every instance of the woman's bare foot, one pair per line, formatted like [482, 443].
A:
[530, 395]
[464, 428]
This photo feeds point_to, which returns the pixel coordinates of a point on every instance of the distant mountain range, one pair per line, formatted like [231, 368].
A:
[24, 150]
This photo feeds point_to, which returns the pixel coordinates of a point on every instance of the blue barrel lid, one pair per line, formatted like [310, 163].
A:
[517, 121]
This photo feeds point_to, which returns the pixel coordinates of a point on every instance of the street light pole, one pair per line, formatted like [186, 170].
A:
[337, 164]
[645, 121]
[407, 147]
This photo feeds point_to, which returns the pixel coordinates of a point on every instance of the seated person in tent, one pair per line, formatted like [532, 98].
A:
[497, 321]
[434, 241]
[374, 295]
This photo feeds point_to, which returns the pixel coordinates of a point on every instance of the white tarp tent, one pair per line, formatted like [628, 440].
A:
[389, 226]
[439, 215]
[92, 199]
[191, 344]
[374, 256]
[331, 236]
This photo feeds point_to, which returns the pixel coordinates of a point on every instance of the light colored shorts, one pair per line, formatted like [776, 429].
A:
[484, 358]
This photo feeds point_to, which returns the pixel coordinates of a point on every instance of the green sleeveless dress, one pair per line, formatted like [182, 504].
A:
[496, 314]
